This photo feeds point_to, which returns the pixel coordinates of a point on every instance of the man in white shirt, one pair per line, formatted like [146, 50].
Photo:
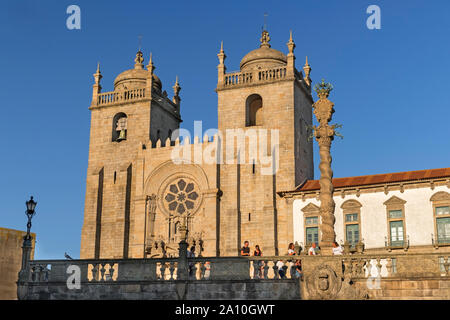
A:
[337, 249]
[281, 272]
[312, 250]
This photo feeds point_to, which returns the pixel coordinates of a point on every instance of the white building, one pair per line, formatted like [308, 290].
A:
[407, 210]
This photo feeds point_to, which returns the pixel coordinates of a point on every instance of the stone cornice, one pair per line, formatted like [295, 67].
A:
[384, 187]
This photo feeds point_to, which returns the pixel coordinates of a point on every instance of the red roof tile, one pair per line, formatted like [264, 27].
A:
[311, 185]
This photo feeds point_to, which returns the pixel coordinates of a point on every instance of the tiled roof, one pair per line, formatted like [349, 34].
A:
[383, 178]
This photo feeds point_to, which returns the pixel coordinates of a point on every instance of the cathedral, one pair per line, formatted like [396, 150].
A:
[149, 186]
[138, 196]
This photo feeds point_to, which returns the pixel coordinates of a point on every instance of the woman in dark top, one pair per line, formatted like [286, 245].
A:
[257, 252]
[260, 263]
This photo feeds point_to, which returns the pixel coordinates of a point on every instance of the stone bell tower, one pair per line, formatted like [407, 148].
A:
[123, 122]
[268, 94]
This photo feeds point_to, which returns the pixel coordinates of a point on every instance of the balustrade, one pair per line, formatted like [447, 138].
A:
[238, 78]
[120, 96]
[238, 268]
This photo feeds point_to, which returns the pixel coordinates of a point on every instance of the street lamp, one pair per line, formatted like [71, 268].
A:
[27, 240]
[31, 205]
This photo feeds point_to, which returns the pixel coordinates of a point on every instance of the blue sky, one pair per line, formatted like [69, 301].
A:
[391, 85]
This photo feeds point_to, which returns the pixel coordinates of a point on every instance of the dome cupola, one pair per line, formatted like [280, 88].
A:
[263, 57]
[136, 78]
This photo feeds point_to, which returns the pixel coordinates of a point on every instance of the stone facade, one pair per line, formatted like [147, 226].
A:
[137, 196]
[11, 260]
[417, 199]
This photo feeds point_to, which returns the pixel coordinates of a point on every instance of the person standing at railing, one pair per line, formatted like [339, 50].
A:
[259, 263]
[207, 270]
[337, 249]
[245, 250]
[312, 249]
[291, 249]
[281, 272]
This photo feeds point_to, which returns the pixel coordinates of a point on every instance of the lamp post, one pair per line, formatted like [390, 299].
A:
[27, 240]
[31, 205]
[27, 246]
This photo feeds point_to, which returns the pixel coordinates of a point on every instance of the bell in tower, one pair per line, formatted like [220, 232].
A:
[122, 129]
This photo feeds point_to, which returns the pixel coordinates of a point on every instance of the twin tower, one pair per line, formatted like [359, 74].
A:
[138, 197]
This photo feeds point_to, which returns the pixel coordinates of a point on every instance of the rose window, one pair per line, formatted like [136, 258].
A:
[181, 196]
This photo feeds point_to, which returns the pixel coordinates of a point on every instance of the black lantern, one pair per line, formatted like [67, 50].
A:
[31, 205]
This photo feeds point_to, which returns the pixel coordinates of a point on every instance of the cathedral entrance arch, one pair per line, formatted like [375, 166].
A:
[178, 192]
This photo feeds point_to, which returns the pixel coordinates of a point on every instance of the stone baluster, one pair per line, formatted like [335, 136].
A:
[360, 268]
[193, 274]
[259, 272]
[45, 272]
[94, 272]
[276, 275]
[37, 271]
[111, 271]
[266, 269]
[162, 269]
[171, 270]
[40, 275]
[379, 266]
[389, 266]
[32, 275]
[201, 270]
[102, 271]
[369, 267]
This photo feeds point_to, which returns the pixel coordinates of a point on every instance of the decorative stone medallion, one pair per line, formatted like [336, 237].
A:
[323, 283]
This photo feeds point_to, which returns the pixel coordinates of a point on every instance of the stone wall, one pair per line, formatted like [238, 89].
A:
[10, 261]
[410, 289]
[172, 290]
[356, 276]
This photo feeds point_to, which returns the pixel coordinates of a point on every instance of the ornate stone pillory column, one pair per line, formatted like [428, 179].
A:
[324, 134]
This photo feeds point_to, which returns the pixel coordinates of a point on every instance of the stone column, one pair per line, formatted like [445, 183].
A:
[324, 134]
[182, 253]
[24, 273]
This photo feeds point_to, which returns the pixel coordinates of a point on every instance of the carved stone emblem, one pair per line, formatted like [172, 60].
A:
[323, 283]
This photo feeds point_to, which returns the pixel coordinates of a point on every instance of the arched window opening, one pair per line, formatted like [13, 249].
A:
[254, 111]
[119, 129]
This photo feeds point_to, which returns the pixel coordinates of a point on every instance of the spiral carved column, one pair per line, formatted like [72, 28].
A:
[324, 134]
